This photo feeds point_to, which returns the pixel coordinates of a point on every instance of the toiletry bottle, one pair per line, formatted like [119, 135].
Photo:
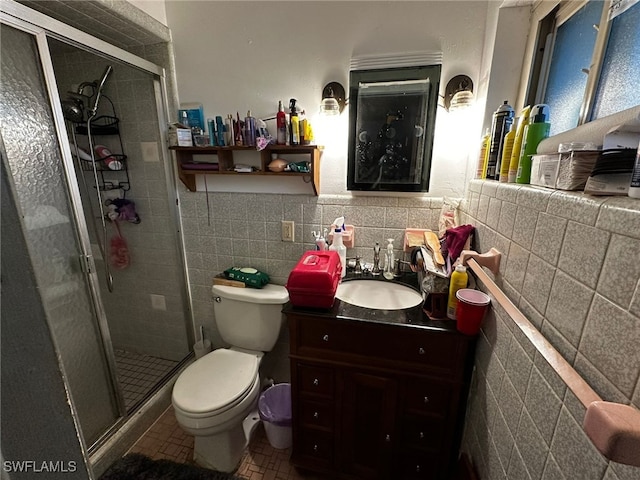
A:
[220, 131]
[389, 261]
[534, 133]
[281, 125]
[321, 243]
[228, 131]
[507, 149]
[458, 280]
[634, 187]
[482, 157]
[517, 144]
[302, 123]
[213, 135]
[502, 120]
[249, 130]
[294, 125]
[339, 247]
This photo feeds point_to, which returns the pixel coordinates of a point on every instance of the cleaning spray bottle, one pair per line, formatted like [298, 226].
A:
[507, 150]
[534, 133]
[517, 144]
[338, 246]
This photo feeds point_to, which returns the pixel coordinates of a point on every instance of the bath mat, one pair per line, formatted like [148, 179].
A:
[140, 467]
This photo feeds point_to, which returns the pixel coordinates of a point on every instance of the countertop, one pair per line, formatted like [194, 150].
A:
[411, 317]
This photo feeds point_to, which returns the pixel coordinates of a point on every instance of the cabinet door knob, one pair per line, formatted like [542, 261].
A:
[315, 448]
[421, 435]
[316, 414]
[387, 438]
[325, 338]
[417, 468]
[316, 382]
[426, 399]
[421, 351]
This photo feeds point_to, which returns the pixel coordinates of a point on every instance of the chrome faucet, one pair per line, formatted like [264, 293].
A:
[398, 272]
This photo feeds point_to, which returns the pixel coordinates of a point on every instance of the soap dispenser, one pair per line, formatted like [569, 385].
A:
[389, 260]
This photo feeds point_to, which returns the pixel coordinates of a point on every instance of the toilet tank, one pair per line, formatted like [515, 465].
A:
[249, 318]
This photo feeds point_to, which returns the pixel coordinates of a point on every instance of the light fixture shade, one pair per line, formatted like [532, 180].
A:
[333, 100]
[459, 93]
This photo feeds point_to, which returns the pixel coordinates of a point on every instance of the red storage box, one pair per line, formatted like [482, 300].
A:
[314, 280]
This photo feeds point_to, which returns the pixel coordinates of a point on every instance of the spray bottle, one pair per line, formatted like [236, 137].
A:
[502, 120]
[281, 125]
[337, 244]
[507, 149]
[534, 133]
[517, 144]
[294, 124]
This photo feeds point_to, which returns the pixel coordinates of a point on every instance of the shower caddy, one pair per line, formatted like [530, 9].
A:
[106, 126]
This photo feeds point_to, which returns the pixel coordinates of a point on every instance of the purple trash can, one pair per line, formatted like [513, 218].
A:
[274, 407]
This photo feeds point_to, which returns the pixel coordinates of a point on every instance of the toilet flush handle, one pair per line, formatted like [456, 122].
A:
[217, 299]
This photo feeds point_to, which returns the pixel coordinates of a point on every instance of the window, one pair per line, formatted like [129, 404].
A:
[590, 61]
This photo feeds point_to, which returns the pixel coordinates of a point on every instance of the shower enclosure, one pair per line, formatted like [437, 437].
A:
[120, 327]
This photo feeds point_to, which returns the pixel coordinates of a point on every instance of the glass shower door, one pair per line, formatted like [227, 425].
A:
[47, 198]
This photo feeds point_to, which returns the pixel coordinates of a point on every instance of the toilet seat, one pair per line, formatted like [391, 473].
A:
[215, 383]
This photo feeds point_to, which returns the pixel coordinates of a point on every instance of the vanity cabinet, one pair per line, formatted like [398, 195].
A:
[372, 400]
[189, 163]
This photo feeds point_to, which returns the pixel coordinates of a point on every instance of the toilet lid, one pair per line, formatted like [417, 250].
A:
[215, 381]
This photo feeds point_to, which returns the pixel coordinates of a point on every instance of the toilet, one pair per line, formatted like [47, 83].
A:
[215, 398]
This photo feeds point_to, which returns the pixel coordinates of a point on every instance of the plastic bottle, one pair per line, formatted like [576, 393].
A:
[517, 144]
[338, 246]
[507, 149]
[502, 120]
[281, 125]
[482, 157]
[302, 125]
[389, 260]
[458, 280]
[634, 187]
[534, 133]
[249, 130]
[294, 125]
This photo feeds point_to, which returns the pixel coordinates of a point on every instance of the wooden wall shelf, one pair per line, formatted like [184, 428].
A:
[189, 167]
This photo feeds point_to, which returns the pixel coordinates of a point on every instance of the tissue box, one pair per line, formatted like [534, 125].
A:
[314, 280]
[563, 171]
[179, 136]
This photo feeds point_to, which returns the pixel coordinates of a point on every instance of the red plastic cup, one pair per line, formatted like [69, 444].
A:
[470, 311]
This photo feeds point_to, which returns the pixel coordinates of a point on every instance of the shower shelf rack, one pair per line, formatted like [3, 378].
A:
[108, 178]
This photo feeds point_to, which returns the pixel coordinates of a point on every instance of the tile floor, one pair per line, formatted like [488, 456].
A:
[165, 439]
[138, 374]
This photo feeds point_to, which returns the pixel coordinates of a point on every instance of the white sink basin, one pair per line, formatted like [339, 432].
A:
[378, 295]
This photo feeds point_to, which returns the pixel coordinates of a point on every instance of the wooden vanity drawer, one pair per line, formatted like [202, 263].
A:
[315, 380]
[427, 396]
[314, 445]
[382, 341]
[316, 415]
[423, 432]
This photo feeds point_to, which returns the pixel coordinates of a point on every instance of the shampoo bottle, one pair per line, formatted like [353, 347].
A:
[338, 246]
[517, 144]
[534, 133]
[281, 125]
[294, 124]
[502, 120]
[482, 157]
[249, 130]
[458, 280]
[507, 149]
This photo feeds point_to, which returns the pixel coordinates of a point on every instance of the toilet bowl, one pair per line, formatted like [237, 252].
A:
[215, 398]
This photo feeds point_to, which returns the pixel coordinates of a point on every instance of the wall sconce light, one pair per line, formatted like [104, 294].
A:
[333, 99]
[459, 93]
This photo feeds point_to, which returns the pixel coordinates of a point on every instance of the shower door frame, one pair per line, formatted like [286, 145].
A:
[43, 27]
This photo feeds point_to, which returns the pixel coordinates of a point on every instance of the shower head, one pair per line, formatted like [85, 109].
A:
[72, 109]
[107, 72]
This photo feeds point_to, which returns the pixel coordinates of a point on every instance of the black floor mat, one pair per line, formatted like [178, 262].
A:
[140, 467]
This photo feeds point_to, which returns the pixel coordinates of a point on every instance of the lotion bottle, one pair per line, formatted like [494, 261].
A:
[534, 133]
[517, 144]
[458, 280]
[507, 149]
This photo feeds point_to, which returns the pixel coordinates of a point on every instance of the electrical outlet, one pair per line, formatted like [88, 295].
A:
[288, 231]
[158, 302]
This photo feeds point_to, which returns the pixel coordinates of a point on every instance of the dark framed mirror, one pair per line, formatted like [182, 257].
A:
[392, 114]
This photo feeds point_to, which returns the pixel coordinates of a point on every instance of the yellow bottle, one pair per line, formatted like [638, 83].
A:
[458, 280]
[517, 144]
[483, 157]
[507, 149]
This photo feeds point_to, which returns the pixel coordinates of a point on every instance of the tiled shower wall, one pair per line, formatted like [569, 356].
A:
[156, 267]
[570, 263]
[241, 229]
